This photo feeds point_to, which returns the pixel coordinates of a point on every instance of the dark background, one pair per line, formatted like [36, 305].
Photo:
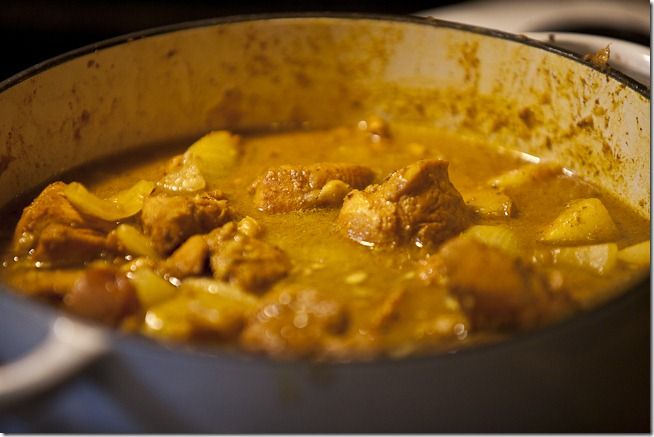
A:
[35, 30]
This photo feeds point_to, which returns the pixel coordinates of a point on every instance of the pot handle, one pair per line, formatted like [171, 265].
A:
[68, 346]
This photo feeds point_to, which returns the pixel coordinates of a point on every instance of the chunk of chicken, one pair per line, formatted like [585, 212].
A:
[294, 322]
[170, 220]
[64, 245]
[43, 282]
[247, 262]
[417, 203]
[292, 188]
[495, 289]
[190, 259]
[58, 232]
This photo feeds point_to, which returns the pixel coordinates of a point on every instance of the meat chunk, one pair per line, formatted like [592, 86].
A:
[249, 263]
[495, 289]
[417, 203]
[170, 220]
[293, 188]
[190, 259]
[43, 282]
[294, 322]
[51, 211]
[64, 245]
[103, 294]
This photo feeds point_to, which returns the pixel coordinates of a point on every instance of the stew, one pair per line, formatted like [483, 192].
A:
[348, 243]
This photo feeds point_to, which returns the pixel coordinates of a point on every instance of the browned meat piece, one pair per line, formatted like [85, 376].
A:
[190, 259]
[170, 220]
[103, 294]
[64, 245]
[294, 322]
[51, 207]
[43, 282]
[247, 262]
[293, 188]
[417, 203]
[495, 289]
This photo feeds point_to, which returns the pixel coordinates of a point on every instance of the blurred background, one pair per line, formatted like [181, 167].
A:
[35, 30]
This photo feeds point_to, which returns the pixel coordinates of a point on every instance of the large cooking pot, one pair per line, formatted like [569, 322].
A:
[589, 373]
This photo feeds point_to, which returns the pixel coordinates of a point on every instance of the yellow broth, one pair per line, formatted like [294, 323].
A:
[427, 318]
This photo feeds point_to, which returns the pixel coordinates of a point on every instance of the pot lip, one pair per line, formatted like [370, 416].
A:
[427, 21]
[633, 291]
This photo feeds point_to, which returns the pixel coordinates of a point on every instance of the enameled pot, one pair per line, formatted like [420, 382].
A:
[589, 373]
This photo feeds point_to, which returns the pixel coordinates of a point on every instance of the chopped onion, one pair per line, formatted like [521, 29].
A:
[135, 242]
[214, 154]
[124, 204]
[598, 258]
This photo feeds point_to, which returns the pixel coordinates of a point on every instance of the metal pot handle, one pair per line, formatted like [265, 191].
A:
[68, 347]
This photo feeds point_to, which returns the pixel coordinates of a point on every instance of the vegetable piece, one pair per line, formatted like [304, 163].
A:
[499, 237]
[197, 286]
[214, 154]
[490, 203]
[216, 314]
[101, 293]
[250, 227]
[135, 242]
[217, 307]
[185, 179]
[637, 254]
[151, 288]
[169, 320]
[124, 204]
[525, 174]
[598, 258]
[582, 221]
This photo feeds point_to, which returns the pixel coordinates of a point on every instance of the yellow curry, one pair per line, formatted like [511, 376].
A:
[350, 243]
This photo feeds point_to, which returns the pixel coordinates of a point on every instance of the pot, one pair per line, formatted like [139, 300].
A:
[589, 373]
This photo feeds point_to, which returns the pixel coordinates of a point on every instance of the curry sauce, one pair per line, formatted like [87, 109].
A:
[392, 240]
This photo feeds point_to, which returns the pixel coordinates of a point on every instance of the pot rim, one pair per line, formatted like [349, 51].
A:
[428, 21]
[631, 291]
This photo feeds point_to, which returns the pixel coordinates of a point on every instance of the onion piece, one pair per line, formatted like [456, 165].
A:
[123, 204]
[598, 258]
[186, 179]
[214, 154]
[135, 242]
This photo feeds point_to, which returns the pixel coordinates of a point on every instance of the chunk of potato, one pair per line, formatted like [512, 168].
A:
[169, 320]
[151, 289]
[526, 174]
[582, 221]
[490, 203]
[637, 254]
[598, 258]
[215, 314]
[194, 287]
[499, 237]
